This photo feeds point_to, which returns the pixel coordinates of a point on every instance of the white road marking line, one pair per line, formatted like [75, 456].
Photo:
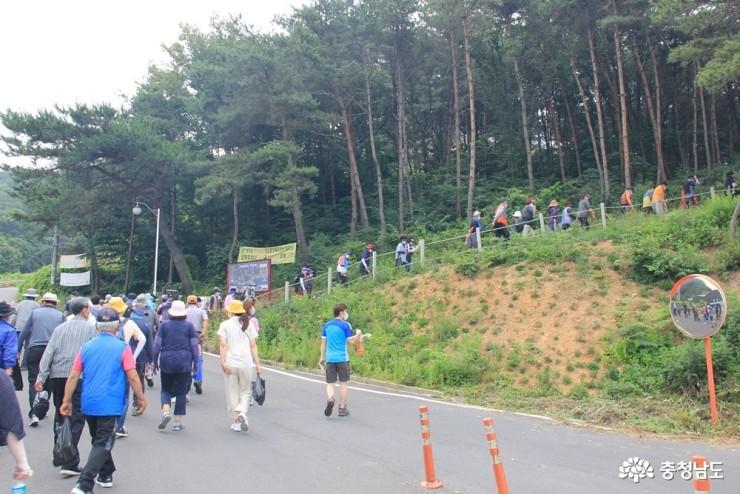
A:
[403, 395]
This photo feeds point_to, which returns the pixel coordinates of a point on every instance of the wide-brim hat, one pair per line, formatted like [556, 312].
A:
[117, 304]
[517, 214]
[31, 292]
[178, 309]
[50, 297]
[235, 307]
[6, 309]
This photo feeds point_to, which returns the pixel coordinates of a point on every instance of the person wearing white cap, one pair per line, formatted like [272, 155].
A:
[518, 226]
[24, 308]
[471, 238]
[176, 355]
[35, 336]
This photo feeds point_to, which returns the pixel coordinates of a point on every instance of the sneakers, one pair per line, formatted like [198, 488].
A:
[243, 423]
[104, 481]
[136, 412]
[69, 472]
[343, 411]
[76, 490]
[236, 427]
[149, 382]
[198, 387]
[178, 427]
[121, 432]
[34, 422]
[166, 417]
[329, 407]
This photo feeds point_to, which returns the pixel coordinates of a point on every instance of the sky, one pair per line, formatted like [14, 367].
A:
[95, 51]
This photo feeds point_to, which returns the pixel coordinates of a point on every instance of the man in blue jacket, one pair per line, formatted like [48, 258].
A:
[8, 340]
[108, 363]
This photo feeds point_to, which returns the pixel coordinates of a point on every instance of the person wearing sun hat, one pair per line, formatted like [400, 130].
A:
[553, 215]
[176, 354]
[128, 330]
[34, 337]
[238, 356]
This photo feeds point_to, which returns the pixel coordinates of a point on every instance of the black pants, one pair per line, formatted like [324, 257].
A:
[501, 231]
[76, 420]
[33, 360]
[140, 370]
[100, 461]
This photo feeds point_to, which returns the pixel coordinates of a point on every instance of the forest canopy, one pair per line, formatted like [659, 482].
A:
[357, 119]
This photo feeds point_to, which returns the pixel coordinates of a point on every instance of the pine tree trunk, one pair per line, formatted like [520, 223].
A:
[456, 129]
[353, 201]
[234, 223]
[599, 118]
[658, 110]
[558, 140]
[622, 103]
[373, 152]
[715, 136]
[652, 112]
[587, 114]
[296, 208]
[695, 142]
[400, 115]
[679, 140]
[472, 132]
[525, 130]
[707, 150]
[354, 172]
[573, 136]
[178, 258]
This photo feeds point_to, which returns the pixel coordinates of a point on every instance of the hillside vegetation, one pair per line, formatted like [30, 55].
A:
[571, 324]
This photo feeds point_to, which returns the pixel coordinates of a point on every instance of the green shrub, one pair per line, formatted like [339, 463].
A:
[443, 330]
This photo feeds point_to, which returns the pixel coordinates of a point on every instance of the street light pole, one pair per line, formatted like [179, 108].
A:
[156, 255]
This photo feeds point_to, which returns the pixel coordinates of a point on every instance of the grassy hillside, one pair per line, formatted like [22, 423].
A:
[572, 324]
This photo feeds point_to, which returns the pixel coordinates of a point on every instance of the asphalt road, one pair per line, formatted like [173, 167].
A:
[292, 448]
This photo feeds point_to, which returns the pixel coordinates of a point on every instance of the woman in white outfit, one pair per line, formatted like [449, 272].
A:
[239, 359]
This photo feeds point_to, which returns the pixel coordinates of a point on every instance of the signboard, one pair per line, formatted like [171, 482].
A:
[74, 279]
[256, 273]
[282, 254]
[73, 261]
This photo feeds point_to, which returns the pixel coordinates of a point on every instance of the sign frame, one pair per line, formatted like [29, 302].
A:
[229, 281]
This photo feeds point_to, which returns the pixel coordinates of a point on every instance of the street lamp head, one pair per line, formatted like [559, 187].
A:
[136, 210]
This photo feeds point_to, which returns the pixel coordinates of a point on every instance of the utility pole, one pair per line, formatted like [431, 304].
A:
[54, 256]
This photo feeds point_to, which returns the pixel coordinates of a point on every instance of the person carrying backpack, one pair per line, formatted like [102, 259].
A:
[402, 253]
[500, 221]
[471, 240]
[130, 332]
[566, 219]
[343, 268]
[528, 212]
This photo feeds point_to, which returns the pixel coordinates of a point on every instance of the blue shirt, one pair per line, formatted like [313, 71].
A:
[101, 361]
[336, 333]
[8, 345]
